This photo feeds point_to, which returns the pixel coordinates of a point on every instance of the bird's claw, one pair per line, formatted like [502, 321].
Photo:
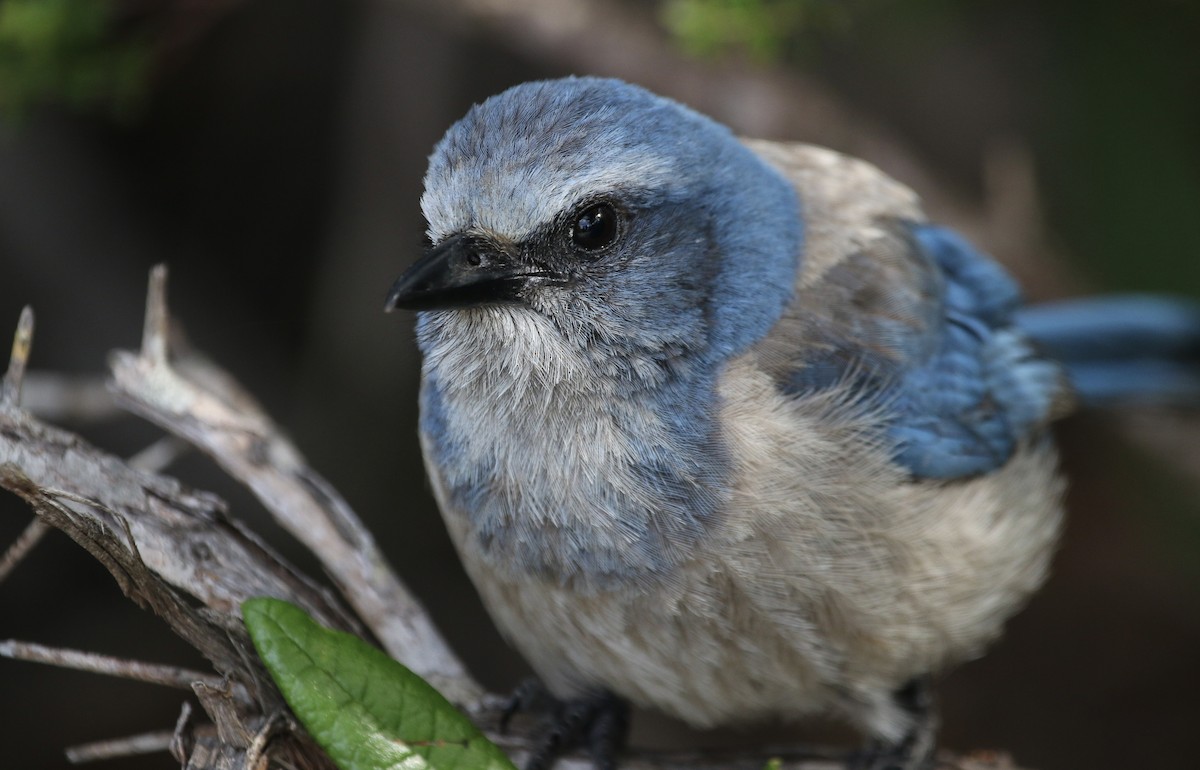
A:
[529, 695]
[599, 723]
[915, 751]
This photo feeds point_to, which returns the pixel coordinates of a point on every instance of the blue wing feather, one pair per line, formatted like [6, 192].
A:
[960, 391]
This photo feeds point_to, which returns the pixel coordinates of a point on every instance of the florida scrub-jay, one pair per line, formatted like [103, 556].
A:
[726, 428]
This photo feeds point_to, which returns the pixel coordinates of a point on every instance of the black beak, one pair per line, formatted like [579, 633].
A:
[458, 272]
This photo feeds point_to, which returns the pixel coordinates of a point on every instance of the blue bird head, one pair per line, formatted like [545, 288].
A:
[636, 229]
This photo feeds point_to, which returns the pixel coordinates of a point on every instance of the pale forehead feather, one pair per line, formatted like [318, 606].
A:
[515, 162]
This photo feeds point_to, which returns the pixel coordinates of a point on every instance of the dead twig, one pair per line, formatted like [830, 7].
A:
[159, 455]
[22, 546]
[151, 673]
[10, 387]
[116, 748]
[192, 398]
[63, 398]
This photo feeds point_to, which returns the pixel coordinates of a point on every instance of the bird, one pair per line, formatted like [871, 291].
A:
[727, 428]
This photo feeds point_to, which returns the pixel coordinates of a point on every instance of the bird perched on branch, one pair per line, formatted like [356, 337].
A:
[727, 428]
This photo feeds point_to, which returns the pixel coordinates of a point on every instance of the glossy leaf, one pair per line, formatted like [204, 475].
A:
[365, 709]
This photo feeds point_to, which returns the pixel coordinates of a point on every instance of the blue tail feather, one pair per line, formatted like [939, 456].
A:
[1126, 349]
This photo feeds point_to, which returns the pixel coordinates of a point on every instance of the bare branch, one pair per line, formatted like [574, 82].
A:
[178, 533]
[98, 534]
[68, 398]
[157, 321]
[159, 455]
[10, 388]
[22, 546]
[152, 673]
[190, 397]
[162, 542]
[183, 737]
[115, 748]
[256, 752]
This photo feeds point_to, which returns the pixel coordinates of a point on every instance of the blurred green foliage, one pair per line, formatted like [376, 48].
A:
[67, 51]
[764, 30]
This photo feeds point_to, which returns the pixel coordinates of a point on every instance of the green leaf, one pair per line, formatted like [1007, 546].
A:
[366, 710]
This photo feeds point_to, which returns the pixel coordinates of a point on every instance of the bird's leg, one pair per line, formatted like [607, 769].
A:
[915, 751]
[598, 722]
[530, 695]
[608, 731]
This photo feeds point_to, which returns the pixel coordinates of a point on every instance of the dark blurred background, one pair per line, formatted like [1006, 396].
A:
[271, 153]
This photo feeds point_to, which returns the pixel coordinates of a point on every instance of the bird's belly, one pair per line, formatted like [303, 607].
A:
[686, 648]
[826, 578]
[776, 622]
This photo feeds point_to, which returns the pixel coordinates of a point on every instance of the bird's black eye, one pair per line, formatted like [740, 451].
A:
[595, 227]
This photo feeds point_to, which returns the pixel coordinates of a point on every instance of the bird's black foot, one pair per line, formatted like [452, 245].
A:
[915, 751]
[598, 723]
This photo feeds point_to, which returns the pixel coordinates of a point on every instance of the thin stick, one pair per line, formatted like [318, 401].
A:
[71, 398]
[146, 743]
[152, 673]
[154, 331]
[160, 454]
[21, 547]
[10, 389]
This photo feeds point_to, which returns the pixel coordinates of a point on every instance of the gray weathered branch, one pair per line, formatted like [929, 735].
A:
[195, 400]
[172, 550]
